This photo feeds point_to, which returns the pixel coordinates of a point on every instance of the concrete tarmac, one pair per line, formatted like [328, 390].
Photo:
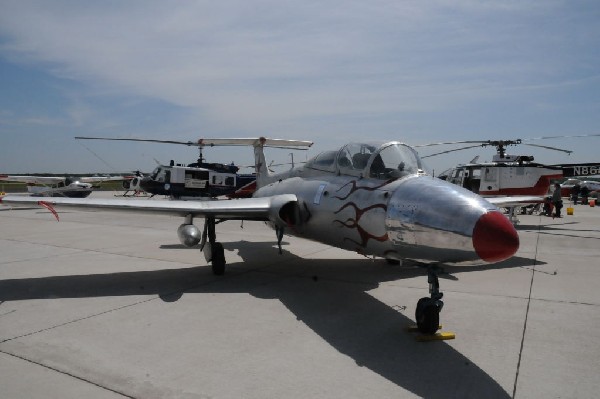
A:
[110, 305]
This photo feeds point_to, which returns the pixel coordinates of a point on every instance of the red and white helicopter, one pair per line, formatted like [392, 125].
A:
[61, 186]
[371, 198]
[505, 175]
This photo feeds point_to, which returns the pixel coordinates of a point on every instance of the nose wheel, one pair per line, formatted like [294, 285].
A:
[427, 314]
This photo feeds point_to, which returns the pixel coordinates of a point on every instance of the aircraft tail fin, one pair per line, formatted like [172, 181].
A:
[262, 170]
[263, 175]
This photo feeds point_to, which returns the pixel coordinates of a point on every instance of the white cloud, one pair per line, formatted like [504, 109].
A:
[266, 65]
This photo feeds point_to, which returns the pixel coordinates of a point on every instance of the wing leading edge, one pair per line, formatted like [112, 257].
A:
[505, 202]
[33, 179]
[265, 208]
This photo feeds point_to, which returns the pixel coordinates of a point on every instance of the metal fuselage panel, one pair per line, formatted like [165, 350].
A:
[431, 220]
[342, 212]
[398, 219]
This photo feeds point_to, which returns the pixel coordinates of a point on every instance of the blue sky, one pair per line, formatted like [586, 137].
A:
[327, 71]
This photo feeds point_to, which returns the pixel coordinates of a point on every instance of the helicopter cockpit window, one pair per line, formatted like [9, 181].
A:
[395, 161]
[160, 175]
[155, 172]
[353, 158]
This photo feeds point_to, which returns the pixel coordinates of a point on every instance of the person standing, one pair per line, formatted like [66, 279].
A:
[585, 192]
[575, 193]
[557, 200]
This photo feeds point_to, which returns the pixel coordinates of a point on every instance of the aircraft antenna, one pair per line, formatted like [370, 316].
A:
[100, 158]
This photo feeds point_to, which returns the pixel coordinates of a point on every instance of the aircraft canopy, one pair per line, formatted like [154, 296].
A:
[381, 161]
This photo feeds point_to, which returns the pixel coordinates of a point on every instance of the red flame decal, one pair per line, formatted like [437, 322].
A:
[351, 223]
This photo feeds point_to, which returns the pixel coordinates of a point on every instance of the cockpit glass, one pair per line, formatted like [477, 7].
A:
[354, 157]
[322, 161]
[395, 161]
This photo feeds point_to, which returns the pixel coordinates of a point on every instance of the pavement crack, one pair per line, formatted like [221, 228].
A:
[77, 320]
[537, 242]
[68, 374]
[165, 296]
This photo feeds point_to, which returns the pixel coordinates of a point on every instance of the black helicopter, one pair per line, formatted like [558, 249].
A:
[198, 179]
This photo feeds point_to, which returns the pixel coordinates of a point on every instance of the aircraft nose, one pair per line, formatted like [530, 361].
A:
[431, 220]
[494, 237]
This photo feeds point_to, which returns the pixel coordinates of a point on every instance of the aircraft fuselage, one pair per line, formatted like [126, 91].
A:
[415, 217]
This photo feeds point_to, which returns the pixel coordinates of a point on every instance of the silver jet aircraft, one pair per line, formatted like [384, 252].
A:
[374, 199]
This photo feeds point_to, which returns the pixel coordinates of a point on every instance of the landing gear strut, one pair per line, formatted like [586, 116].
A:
[428, 309]
[213, 252]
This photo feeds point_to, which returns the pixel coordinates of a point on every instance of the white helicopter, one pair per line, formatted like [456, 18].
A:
[61, 186]
[371, 198]
[505, 175]
[133, 184]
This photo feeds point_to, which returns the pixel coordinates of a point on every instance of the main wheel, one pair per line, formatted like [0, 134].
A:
[218, 258]
[427, 316]
[419, 309]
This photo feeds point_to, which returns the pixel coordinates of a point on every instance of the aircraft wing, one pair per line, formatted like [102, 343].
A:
[266, 208]
[507, 202]
[33, 179]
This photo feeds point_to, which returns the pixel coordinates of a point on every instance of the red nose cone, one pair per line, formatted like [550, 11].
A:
[494, 237]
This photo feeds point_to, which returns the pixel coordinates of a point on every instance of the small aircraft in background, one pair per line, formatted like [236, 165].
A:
[199, 179]
[591, 185]
[134, 184]
[371, 198]
[61, 186]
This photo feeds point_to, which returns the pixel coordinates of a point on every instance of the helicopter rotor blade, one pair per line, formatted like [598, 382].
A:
[548, 148]
[275, 143]
[561, 137]
[188, 143]
[445, 152]
[452, 142]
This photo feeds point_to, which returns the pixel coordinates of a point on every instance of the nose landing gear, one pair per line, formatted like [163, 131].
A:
[427, 314]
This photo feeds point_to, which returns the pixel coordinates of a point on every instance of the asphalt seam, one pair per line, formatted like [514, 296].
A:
[84, 250]
[537, 241]
[77, 320]
[68, 374]
[191, 287]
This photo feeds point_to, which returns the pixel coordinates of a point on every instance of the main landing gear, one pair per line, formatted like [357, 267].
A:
[428, 309]
[213, 250]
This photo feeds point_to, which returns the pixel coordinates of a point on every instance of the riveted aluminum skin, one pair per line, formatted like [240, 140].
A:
[430, 216]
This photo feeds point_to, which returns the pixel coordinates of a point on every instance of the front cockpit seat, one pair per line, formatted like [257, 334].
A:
[360, 160]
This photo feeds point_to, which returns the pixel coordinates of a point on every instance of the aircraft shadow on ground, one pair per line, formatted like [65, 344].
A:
[559, 230]
[329, 295]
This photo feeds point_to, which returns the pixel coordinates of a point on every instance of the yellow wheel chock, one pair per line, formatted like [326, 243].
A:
[438, 336]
